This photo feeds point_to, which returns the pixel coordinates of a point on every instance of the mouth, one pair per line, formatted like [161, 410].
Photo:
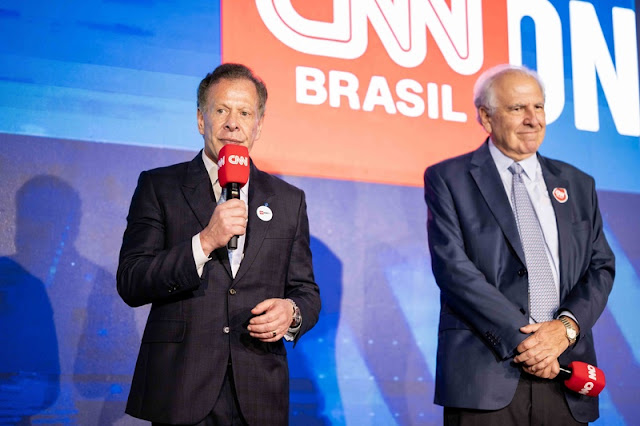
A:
[529, 134]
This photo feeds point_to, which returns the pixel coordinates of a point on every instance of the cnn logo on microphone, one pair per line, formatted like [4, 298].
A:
[234, 159]
[589, 385]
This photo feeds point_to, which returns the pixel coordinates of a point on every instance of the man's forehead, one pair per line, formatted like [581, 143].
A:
[518, 88]
[235, 82]
[232, 85]
[516, 81]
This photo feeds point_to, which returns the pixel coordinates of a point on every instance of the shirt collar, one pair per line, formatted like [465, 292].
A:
[212, 170]
[529, 164]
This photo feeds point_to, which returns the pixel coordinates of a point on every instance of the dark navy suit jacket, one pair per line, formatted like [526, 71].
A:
[478, 263]
[197, 324]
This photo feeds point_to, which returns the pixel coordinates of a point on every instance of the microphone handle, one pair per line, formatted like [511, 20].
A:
[565, 373]
[233, 191]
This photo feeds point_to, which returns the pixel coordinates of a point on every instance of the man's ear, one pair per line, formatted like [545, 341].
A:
[485, 119]
[200, 122]
[259, 132]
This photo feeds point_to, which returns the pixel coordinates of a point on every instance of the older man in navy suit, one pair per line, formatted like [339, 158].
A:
[212, 352]
[497, 355]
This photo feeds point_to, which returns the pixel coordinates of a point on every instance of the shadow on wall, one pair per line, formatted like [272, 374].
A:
[49, 291]
[106, 349]
[29, 363]
[312, 363]
[392, 352]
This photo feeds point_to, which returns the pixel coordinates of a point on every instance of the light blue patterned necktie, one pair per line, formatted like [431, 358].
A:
[543, 296]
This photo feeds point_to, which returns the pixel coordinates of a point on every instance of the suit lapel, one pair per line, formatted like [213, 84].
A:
[198, 192]
[484, 172]
[552, 180]
[260, 193]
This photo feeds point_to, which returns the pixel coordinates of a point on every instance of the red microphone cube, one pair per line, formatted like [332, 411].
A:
[233, 165]
[585, 379]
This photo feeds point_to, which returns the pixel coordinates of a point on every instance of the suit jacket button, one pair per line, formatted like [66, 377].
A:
[225, 330]
[232, 291]
[522, 272]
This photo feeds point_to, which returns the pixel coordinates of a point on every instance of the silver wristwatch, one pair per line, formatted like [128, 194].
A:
[297, 316]
[572, 334]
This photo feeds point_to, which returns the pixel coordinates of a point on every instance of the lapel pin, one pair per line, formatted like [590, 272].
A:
[264, 213]
[560, 194]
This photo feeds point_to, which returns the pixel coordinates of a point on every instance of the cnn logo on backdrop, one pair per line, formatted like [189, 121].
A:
[457, 30]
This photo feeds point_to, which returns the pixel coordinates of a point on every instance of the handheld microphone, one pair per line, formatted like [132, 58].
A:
[583, 378]
[233, 174]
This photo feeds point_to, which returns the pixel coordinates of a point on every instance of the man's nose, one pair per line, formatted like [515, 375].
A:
[232, 122]
[531, 116]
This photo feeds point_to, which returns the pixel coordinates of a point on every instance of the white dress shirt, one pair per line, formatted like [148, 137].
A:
[537, 190]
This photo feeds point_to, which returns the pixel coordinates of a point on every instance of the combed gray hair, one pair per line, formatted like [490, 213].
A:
[483, 90]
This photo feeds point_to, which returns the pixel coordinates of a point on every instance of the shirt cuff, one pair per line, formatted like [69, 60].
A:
[198, 254]
[568, 314]
[291, 334]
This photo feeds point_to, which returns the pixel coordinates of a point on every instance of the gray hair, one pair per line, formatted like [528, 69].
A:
[483, 90]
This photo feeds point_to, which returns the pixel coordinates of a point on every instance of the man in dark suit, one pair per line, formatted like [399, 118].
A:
[495, 359]
[212, 352]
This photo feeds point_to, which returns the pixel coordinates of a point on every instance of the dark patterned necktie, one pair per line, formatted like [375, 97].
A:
[543, 296]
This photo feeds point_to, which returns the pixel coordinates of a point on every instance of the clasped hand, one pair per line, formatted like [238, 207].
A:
[272, 321]
[538, 354]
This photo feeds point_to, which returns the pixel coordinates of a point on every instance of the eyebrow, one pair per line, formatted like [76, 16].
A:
[521, 105]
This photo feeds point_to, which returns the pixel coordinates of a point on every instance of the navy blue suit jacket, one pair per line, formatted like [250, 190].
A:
[478, 263]
[196, 324]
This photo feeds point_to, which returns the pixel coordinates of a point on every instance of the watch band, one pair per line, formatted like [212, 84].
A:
[572, 334]
[297, 316]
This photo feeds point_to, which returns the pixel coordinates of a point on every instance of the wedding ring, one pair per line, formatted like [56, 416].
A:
[274, 334]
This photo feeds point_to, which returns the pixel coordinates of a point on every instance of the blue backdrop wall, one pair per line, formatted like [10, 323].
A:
[93, 92]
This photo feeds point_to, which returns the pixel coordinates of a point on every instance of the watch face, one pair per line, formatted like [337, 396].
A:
[571, 334]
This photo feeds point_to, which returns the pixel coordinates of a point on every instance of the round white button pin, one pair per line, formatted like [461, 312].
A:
[264, 213]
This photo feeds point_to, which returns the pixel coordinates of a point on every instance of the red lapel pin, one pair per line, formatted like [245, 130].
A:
[560, 194]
